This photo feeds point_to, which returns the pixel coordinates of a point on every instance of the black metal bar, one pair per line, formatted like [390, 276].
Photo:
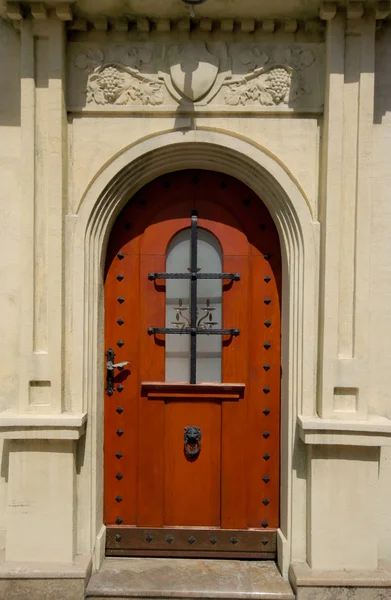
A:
[234, 276]
[193, 297]
[190, 330]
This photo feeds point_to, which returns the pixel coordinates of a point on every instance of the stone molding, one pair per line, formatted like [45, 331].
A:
[353, 9]
[299, 233]
[375, 431]
[346, 584]
[224, 77]
[63, 426]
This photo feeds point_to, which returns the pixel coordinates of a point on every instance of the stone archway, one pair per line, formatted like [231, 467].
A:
[101, 203]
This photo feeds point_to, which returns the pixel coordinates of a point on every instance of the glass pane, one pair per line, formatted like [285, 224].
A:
[209, 308]
[178, 290]
[209, 304]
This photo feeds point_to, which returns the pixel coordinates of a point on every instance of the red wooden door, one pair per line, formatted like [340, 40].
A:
[224, 501]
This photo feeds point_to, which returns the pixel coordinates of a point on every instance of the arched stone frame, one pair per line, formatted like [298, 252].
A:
[87, 236]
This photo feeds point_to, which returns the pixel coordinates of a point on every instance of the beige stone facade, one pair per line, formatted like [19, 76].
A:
[294, 99]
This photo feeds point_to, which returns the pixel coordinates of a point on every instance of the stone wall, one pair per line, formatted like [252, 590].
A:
[302, 115]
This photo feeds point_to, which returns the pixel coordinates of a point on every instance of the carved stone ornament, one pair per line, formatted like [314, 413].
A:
[195, 71]
[195, 74]
[270, 84]
[120, 84]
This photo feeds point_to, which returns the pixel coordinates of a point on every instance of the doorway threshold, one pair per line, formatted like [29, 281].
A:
[168, 578]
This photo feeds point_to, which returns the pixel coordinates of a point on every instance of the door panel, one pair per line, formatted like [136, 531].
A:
[192, 487]
[225, 501]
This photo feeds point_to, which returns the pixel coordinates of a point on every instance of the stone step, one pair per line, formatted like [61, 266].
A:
[169, 578]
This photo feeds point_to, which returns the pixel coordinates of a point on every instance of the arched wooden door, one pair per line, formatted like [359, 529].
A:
[191, 429]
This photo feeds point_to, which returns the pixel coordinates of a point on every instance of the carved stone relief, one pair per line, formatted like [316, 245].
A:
[196, 75]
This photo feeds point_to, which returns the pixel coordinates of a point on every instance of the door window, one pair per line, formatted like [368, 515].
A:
[208, 308]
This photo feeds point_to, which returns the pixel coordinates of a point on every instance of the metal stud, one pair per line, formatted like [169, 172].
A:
[266, 367]
[266, 501]
[234, 540]
[267, 301]
[264, 523]
[119, 520]
[121, 299]
[213, 540]
[149, 539]
[262, 227]
[128, 226]
[119, 432]
[169, 539]
[267, 279]
[119, 410]
[118, 498]
[267, 345]
[119, 455]
[266, 389]
[266, 456]
[120, 321]
[267, 323]
[266, 434]
[120, 343]
[264, 542]
[119, 476]
[118, 537]
[267, 256]
[266, 411]
[120, 277]
[246, 202]
[120, 388]
[191, 540]
[266, 478]
[120, 255]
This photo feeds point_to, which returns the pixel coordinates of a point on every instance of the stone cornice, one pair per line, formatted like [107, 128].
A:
[67, 12]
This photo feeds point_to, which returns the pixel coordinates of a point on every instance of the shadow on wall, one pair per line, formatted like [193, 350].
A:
[9, 76]
[383, 73]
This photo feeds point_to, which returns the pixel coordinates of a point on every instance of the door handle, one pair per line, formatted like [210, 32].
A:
[110, 366]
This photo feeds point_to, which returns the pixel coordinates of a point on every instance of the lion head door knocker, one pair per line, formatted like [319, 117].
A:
[192, 441]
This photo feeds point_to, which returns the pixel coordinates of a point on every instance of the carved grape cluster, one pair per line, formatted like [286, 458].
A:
[278, 83]
[111, 83]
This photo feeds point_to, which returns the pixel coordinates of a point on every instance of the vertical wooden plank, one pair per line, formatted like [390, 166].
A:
[234, 414]
[264, 396]
[151, 414]
[121, 409]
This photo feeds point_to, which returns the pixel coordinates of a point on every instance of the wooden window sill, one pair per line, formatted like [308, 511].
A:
[183, 390]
